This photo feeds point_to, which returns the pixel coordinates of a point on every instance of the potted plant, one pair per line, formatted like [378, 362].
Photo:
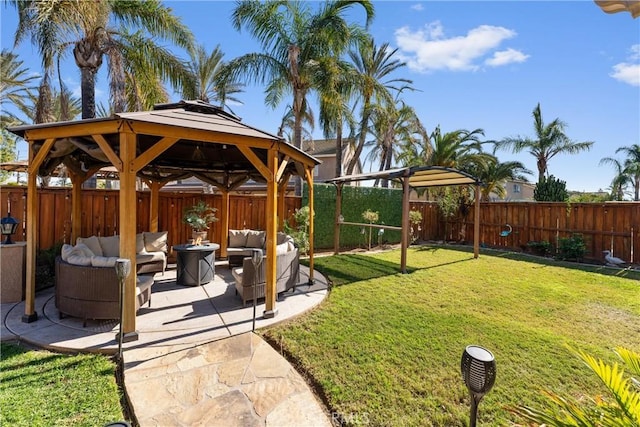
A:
[199, 217]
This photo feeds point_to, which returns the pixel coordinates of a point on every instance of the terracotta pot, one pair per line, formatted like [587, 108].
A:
[199, 235]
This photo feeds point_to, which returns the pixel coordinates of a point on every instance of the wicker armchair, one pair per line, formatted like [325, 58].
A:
[93, 292]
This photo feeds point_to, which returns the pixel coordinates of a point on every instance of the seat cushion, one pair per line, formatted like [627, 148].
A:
[237, 274]
[149, 257]
[103, 261]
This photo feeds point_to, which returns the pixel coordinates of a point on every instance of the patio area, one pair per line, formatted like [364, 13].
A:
[178, 315]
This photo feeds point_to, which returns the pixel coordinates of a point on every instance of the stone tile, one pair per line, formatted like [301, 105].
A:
[299, 410]
[233, 372]
[268, 393]
[267, 363]
[231, 409]
[235, 347]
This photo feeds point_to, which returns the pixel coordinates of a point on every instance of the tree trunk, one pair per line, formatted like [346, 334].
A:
[361, 138]
[339, 149]
[89, 59]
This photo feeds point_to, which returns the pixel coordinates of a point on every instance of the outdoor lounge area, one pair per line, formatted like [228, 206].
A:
[177, 315]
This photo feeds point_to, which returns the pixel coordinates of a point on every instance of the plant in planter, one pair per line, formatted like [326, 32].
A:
[199, 217]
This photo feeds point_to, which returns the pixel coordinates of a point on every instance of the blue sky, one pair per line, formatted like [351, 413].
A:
[476, 65]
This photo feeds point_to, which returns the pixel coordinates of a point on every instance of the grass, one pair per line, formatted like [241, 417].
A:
[385, 348]
[40, 388]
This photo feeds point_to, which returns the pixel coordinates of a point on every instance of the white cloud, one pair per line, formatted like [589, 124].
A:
[505, 57]
[629, 72]
[418, 7]
[428, 49]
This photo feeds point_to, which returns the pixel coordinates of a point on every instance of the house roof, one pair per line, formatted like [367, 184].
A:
[174, 141]
[322, 147]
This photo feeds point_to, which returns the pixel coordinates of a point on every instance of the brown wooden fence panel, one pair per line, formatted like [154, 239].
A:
[100, 213]
[611, 226]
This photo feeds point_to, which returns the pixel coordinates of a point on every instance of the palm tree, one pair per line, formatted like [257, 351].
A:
[550, 141]
[206, 82]
[460, 149]
[373, 65]
[16, 86]
[293, 39]
[335, 82]
[98, 29]
[493, 174]
[395, 125]
[627, 172]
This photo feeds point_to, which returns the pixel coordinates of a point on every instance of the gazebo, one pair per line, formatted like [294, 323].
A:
[171, 142]
[411, 177]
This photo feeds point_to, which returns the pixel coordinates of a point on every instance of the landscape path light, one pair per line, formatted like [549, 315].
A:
[478, 368]
[9, 226]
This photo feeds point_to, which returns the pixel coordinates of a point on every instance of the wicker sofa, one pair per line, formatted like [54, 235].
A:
[91, 292]
[151, 249]
[241, 244]
[287, 275]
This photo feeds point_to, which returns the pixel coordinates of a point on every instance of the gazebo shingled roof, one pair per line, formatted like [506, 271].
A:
[173, 141]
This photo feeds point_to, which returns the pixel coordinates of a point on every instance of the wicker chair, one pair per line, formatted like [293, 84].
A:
[93, 292]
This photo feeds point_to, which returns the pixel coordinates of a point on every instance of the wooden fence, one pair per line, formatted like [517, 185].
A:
[100, 210]
[611, 226]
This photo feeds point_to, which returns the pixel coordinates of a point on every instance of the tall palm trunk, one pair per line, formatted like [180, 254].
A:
[366, 114]
[339, 148]
[88, 57]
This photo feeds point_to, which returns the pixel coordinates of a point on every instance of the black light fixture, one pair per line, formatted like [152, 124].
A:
[478, 368]
[9, 226]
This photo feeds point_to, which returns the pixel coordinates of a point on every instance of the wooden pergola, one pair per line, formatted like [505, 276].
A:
[171, 142]
[411, 177]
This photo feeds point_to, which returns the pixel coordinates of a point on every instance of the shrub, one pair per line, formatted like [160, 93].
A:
[415, 218]
[571, 248]
[46, 266]
[300, 233]
[551, 189]
[542, 248]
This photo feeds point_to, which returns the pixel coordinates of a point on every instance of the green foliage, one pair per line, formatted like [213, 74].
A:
[621, 409]
[387, 202]
[199, 216]
[448, 203]
[300, 233]
[370, 216]
[542, 248]
[589, 197]
[415, 218]
[46, 266]
[550, 189]
[572, 248]
[40, 388]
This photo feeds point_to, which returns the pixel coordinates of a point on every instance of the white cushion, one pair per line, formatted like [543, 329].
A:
[82, 250]
[149, 257]
[92, 243]
[65, 251]
[110, 246]
[79, 260]
[103, 261]
[282, 248]
[154, 242]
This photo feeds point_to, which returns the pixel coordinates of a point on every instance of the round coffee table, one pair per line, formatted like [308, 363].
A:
[195, 264]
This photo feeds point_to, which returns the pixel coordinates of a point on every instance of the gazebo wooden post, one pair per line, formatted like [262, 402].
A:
[406, 191]
[35, 160]
[128, 231]
[476, 224]
[282, 189]
[309, 176]
[76, 205]
[154, 205]
[336, 227]
[272, 229]
[224, 222]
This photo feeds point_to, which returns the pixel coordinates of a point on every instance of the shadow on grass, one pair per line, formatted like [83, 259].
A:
[349, 268]
[544, 262]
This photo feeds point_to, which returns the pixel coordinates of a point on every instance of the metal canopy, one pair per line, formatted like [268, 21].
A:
[416, 177]
[419, 176]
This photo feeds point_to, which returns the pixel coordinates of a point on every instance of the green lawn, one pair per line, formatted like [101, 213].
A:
[385, 348]
[40, 388]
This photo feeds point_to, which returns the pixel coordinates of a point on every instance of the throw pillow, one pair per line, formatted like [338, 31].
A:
[154, 242]
[282, 248]
[255, 239]
[110, 246]
[103, 261]
[82, 250]
[93, 243]
[65, 251]
[237, 238]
